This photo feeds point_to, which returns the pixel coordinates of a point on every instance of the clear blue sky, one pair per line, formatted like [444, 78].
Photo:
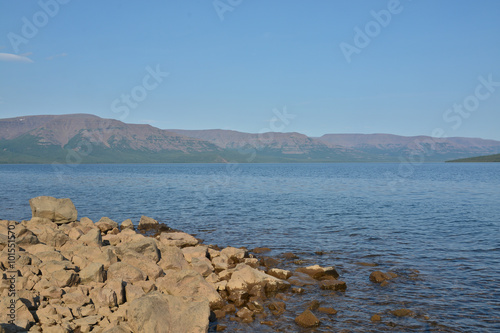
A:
[264, 55]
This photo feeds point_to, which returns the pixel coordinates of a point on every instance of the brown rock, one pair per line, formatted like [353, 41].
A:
[301, 280]
[172, 258]
[200, 251]
[244, 313]
[234, 253]
[252, 262]
[189, 283]
[57, 210]
[260, 250]
[255, 305]
[314, 305]
[307, 319]
[85, 221]
[92, 273]
[238, 297]
[75, 298]
[376, 317]
[147, 222]
[106, 224]
[279, 273]
[127, 224]
[330, 311]
[402, 313]
[290, 256]
[219, 314]
[133, 292]
[125, 272]
[229, 308]
[220, 263]
[202, 266]
[64, 278]
[317, 272]
[367, 264]
[104, 297]
[179, 239]
[277, 308]
[245, 276]
[75, 233]
[269, 262]
[144, 246]
[156, 312]
[147, 266]
[377, 277]
[92, 238]
[51, 293]
[333, 285]
[118, 286]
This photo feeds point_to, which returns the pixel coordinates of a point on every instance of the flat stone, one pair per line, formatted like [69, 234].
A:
[402, 313]
[179, 239]
[330, 311]
[260, 250]
[157, 312]
[333, 285]
[125, 272]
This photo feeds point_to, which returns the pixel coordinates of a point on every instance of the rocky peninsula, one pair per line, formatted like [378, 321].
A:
[64, 274]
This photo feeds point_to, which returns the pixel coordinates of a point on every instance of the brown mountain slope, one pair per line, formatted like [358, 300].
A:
[288, 143]
[60, 130]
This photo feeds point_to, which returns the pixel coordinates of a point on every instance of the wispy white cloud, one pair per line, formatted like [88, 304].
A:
[14, 58]
[57, 56]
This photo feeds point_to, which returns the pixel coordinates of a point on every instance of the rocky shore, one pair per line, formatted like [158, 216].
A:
[64, 274]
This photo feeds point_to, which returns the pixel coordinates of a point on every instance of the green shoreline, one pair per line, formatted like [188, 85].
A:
[478, 159]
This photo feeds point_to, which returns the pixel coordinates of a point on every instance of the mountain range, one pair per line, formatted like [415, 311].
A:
[86, 138]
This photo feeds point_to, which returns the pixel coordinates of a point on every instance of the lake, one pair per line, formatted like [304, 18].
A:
[436, 225]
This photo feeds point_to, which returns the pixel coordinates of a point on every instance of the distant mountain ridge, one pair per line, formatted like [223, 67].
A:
[59, 138]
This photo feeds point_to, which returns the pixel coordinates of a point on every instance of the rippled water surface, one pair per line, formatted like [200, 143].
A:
[438, 228]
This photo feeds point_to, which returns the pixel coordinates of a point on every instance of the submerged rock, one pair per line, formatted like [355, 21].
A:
[333, 285]
[380, 277]
[307, 319]
[402, 313]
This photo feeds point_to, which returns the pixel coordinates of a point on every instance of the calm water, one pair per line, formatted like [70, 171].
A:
[441, 219]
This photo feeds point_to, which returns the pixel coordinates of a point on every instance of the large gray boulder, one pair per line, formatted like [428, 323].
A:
[159, 313]
[59, 211]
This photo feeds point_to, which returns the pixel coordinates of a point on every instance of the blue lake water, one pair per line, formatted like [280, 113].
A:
[442, 220]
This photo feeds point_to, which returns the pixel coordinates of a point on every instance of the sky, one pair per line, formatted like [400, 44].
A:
[409, 67]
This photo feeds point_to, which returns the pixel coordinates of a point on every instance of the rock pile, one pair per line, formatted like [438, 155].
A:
[81, 276]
